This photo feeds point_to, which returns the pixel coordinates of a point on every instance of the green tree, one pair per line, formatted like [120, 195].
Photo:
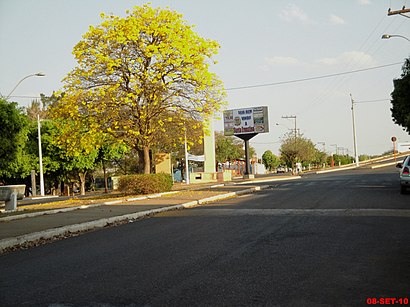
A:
[79, 146]
[14, 127]
[139, 74]
[270, 160]
[341, 159]
[228, 148]
[297, 149]
[401, 98]
[320, 158]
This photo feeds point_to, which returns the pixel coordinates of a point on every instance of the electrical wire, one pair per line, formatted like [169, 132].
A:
[30, 97]
[371, 101]
[339, 81]
[311, 78]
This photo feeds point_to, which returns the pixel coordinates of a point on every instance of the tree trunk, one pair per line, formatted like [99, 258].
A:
[82, 182]
[140, 160]
[147, 161]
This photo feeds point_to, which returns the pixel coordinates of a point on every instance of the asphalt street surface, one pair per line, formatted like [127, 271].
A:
[336, 239]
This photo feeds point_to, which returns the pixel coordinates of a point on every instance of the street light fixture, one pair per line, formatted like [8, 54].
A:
[387, 36]
[40, 155]
[39, 74]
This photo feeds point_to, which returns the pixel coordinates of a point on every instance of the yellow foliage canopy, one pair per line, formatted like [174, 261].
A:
[142, 75]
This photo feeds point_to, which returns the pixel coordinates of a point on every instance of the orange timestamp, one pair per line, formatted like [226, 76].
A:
[387, 301]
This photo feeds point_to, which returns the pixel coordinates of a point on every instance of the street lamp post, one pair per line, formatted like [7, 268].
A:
[40, 156]
[387, 36]
[186, 160]
[39, 74]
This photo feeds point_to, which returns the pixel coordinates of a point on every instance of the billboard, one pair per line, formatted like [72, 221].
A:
[245, 121]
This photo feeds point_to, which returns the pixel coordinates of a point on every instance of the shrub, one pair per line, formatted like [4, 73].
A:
[145, 183]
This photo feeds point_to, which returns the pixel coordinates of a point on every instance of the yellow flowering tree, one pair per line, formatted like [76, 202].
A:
[141, 77]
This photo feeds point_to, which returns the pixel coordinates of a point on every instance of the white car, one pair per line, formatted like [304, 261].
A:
[280, 169]
[404, 174]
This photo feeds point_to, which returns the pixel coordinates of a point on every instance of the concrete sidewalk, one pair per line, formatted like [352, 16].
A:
[33, 228]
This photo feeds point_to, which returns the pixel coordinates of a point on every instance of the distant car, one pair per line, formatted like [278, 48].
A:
[404, 174]
[280, 169]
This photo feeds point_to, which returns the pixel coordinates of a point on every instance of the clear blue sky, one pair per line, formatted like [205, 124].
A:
[262, 42]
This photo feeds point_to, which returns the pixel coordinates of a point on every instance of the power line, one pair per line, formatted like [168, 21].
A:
[311, 78]
[352, 64]
[370, 101]
[265, 143]
[29, 97]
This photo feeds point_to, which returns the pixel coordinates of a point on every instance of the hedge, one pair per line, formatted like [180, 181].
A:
[145, 183]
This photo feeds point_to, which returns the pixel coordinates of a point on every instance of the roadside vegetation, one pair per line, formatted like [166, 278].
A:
[401, 97]
[141, 83]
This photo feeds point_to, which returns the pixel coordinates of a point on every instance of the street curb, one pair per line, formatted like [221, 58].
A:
[383, 165]
[150, 196]
[101, 223]
[336, 169]
[62, 210]
[268, 180]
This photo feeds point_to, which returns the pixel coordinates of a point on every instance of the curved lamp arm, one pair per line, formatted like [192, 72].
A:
[39, 74]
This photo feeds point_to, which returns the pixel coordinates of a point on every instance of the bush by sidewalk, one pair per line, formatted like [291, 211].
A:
[145, 183]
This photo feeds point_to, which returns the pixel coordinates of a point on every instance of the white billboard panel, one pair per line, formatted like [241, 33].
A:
[246, 120]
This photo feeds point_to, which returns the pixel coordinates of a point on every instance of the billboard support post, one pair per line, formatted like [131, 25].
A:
[246, 138]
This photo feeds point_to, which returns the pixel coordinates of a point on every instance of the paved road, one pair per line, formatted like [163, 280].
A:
[325, 240]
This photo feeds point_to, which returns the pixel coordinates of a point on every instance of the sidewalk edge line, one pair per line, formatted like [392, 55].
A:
[48, 212]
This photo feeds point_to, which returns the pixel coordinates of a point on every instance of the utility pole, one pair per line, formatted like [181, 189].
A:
[356, 155]
[292, 117]
[296, 131]
[324, 146]
[401, 12]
